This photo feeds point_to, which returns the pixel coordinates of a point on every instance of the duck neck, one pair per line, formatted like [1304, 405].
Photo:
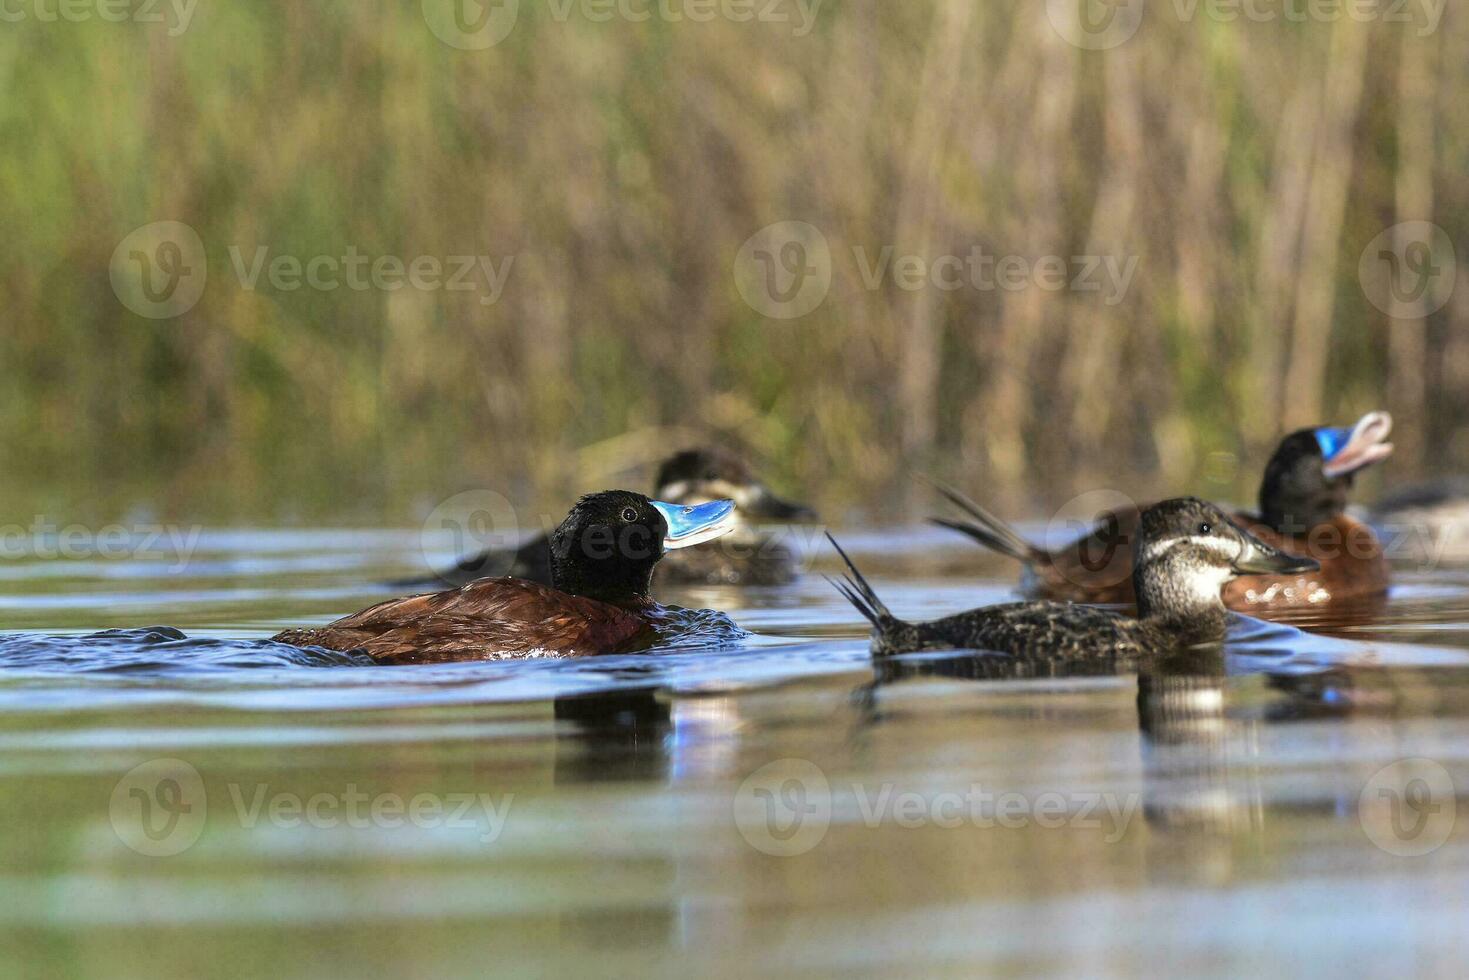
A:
[593, 572]
[577, 582]
[1182, 600]
[1297, 498]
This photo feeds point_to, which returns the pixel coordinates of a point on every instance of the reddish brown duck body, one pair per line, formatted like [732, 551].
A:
[1353, 568]
[489, 619]
[1303, 497]
[602, 558]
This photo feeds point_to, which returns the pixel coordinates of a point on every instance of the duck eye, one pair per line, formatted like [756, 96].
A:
[1205, 528]
[629, 515]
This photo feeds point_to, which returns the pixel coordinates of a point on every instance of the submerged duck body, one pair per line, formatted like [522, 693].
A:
[747, 556]
[1427, 521]
[602, 559]
[1303, 498]
[1189, 549]
[1037, 628]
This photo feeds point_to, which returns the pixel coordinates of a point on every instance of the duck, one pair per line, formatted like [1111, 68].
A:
[1188, 550]
[749, 555]
[1302, 510]
[1428, 522]
[602, 558]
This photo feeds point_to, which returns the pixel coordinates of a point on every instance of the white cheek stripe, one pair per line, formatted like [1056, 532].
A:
[1228, 550]
[1219, 546]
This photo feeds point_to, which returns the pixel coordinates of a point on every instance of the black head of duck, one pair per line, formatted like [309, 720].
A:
[690, 477]
[602, 560]
[1187, 550]
[609, 544]
[1310, 476]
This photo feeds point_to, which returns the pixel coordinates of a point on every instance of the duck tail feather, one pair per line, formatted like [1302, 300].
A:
[860, 593]
[984, 526]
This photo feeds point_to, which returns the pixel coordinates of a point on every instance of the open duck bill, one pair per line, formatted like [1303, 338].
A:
[1258, 558]
[1345, 451]
[688, 526]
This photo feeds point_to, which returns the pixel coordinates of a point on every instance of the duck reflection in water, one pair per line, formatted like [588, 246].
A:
[612, 736]
[1190, 779]
[645, 734]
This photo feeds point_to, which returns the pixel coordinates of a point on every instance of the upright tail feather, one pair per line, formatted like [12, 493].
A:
[985, 527]
[859, 593]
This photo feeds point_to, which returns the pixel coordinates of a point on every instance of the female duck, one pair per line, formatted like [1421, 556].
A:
[1188, 550]
[1303, 499]
[602, 559]
[749, 556]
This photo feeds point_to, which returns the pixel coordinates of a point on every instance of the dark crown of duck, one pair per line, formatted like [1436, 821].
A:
[1188, 549]
[608, 544]
[695, 475]
[1307, 481]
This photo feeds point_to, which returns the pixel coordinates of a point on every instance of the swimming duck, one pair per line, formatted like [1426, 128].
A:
[602, 558]
[1427, 521]
[748, 556]
[1303, 499]
[1188, 550]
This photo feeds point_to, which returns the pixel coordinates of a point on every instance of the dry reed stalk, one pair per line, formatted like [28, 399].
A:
[1277, 259]
[919, 319]
[1092, 371]
[1407, 391]
[1330, 179]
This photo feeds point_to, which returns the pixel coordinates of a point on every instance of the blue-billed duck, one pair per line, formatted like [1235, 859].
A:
[747, 556]
[1303, 499]
[1188, 550]
[602, 559]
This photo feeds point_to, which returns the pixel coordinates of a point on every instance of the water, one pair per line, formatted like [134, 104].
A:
[177, 804]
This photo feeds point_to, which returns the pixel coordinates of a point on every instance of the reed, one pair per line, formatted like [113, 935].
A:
[618, 168]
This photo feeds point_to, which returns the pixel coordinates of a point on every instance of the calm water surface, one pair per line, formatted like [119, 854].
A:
[217, 804]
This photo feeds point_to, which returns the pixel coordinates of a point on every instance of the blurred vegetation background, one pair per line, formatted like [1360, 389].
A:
[623, 164]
